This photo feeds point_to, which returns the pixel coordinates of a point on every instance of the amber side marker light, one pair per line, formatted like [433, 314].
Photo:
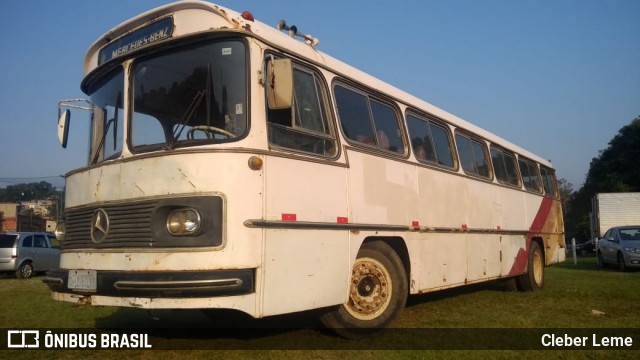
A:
[255, 163]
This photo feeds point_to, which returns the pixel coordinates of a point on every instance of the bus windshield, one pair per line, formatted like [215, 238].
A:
[107, 129]
[191, 96]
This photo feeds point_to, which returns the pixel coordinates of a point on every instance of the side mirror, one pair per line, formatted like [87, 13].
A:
[63, 127]
[279, 84]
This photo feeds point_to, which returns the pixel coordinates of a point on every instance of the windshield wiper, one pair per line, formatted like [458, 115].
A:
[188, 113]
[105, 131]
[209, 90]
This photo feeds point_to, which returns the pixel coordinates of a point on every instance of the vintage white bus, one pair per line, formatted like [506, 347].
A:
[233, 165]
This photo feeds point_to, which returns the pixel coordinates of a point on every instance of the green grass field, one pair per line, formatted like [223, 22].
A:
[580, 297]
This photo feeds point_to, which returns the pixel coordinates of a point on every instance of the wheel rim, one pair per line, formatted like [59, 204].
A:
[370, 291]
[538, 268]
[26, 271]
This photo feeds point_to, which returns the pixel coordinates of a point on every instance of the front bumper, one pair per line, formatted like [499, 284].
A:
[160, 284]
[632, 260]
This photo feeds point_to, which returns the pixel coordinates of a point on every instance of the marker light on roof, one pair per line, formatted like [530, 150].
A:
[247, 16]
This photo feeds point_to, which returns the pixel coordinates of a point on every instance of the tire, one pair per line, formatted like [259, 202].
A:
[377, 294]
[533, 280]
[621, 265]
[25, 271]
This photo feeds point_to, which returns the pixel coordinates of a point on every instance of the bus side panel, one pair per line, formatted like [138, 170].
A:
[441, 199]
[381, 192]
[532, 205]
[304, 268]
[484, 256]
[513, 215]
[310, 191]
[484, 207]
[443, 259]
[552, 231]
[513, 247]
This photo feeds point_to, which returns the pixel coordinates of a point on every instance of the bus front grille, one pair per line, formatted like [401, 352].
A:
[127, 225]
[143, 224]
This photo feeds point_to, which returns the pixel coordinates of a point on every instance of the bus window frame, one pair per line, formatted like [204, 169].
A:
[485, 150]
[327, 105]
[517, 167]
[380, 98]
[552, 173]
[431, 120]
[524, 183]
[159, 50]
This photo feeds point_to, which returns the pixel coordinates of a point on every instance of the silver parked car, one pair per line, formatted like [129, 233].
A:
[26, 253]
[620, 246]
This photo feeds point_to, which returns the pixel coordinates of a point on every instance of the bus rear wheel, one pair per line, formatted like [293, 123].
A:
[377, 293]
[534, 278]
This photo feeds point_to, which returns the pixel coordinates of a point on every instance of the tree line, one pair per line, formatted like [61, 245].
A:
[615, 169]
[26, 192]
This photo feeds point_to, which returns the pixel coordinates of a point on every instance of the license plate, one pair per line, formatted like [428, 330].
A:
[83, 280]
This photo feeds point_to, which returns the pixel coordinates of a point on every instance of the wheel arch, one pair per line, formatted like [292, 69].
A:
[540, 243]
[398, 245]
[24, 261]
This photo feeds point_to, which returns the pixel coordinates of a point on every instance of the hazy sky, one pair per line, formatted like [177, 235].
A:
[556, 77]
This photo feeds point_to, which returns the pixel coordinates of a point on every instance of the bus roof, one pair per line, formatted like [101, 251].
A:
[205, 16]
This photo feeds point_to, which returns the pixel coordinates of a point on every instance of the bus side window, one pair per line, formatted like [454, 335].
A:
[368, 121]
[504, 165]
[548, 182]
[305, 126]
[530, 175]
[431, 142]
[473, 156]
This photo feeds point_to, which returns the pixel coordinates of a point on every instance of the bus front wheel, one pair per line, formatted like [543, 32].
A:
[534, 278]
[377, 293]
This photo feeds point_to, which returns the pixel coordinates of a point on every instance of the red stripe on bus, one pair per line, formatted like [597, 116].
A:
[520, 262]
[541, 216]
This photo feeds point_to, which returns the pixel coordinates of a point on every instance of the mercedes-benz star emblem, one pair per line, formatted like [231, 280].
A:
[99, 225]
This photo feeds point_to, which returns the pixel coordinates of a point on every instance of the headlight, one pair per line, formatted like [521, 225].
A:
[632, 250]
[181, 222]
[59, 231]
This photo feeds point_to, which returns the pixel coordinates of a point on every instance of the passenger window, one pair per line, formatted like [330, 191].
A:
[53, 241]
[28, 241]
[368, 121]
[504, 165]
[473, 157]
[304, 127]
[39, 241]
[431, 143]
[548, 182]
[530, 175]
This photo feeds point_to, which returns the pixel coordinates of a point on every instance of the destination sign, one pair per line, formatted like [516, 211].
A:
[159, 30]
